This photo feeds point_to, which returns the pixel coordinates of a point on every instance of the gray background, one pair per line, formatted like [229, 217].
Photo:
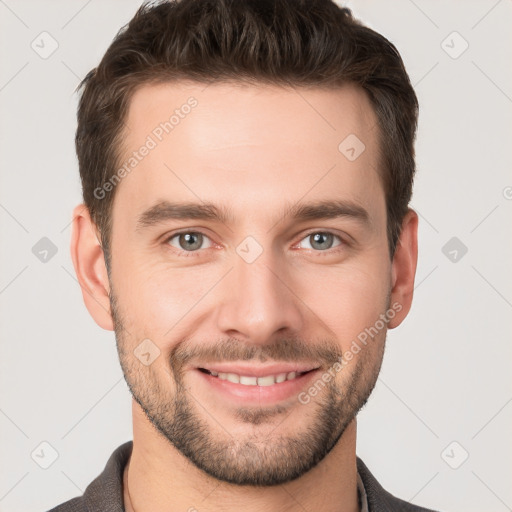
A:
[445, 390]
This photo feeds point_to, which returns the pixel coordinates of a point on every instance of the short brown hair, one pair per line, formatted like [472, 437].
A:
[281, 42]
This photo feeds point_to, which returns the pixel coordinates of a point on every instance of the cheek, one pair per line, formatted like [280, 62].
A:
[348, 299]
[159, 302]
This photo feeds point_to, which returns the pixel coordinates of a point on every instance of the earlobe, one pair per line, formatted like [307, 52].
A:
[404, 268]
[89, 262]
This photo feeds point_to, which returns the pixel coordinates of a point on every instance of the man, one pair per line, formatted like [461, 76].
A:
[246, 167]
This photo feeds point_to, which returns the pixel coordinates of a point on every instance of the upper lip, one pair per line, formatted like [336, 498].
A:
[259, 371]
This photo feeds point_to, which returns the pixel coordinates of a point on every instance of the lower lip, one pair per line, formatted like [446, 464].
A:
[257, 395]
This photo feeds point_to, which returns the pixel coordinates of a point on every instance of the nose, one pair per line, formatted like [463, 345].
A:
[258, 301]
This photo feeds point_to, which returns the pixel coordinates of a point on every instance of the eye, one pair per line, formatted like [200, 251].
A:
[189, 241]
[321, 240]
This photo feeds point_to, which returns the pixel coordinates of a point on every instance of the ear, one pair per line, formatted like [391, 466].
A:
[403, 268]
[89, 262]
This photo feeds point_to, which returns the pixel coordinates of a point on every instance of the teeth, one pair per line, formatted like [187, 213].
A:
[233, 377]
[248, 381]
[267, 380]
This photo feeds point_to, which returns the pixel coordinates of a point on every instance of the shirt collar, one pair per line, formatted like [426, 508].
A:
[361, 493]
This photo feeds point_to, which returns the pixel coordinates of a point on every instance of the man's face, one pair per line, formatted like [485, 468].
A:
[260, 292]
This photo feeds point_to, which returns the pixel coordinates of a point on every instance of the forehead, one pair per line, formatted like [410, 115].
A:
[230, 113]
[249, 145]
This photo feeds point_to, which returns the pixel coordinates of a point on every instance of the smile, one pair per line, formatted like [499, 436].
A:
[247, 380]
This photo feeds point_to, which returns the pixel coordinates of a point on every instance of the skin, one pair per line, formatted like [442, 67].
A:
[257, 150]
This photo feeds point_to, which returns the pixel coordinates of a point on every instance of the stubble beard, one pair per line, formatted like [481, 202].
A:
[256, 460]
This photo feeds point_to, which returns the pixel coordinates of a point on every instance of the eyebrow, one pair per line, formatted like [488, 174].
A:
[318, 210]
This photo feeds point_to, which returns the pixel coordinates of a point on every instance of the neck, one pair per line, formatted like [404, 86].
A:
[159, 478]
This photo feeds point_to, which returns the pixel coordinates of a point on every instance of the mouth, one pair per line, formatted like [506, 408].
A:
[254, 385]
[252, 380]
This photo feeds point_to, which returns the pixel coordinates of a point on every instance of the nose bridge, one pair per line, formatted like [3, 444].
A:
[256, 300]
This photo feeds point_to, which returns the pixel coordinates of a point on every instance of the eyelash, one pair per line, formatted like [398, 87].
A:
[182, 253]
